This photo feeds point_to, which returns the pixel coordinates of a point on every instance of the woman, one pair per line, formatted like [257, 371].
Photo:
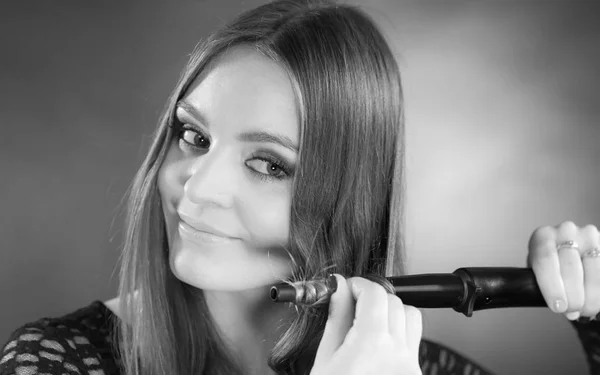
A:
[279, 157]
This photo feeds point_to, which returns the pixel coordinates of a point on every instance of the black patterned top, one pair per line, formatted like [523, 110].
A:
[80, 343]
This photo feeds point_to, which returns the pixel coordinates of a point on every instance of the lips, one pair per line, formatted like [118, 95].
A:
[200, 230]
[201, 238]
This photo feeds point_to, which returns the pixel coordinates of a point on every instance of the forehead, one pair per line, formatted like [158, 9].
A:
[245, 87]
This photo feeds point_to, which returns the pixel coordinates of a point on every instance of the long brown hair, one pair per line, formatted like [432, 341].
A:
[348, 189]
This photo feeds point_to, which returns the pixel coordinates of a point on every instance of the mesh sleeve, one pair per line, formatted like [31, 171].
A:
[438, 359]
[40, 351]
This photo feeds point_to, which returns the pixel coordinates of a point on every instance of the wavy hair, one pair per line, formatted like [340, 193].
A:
[347, 213]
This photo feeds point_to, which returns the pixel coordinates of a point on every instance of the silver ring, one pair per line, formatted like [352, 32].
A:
[593, 253]
[568, 244]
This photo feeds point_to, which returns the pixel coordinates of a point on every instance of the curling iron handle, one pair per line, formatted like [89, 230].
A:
[433, 290]
[503, 287]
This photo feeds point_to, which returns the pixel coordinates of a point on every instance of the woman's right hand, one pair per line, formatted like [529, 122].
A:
[368, 331]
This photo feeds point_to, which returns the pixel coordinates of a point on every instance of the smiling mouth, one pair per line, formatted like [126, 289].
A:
[200, 237]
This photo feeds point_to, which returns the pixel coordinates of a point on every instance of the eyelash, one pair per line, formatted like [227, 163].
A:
[181, 128]
[272, 161]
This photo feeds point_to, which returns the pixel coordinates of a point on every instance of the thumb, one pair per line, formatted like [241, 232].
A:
[339, 321]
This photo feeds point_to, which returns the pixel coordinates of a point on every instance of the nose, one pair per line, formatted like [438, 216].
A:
[211, 181]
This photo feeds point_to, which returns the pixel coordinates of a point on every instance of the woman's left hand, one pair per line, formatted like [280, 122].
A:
[568, 274]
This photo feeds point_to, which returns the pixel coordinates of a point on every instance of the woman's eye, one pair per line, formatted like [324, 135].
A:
[192, 138]
[267, 167]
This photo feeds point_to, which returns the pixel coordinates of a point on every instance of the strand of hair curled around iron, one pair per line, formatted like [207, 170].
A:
[312, 292]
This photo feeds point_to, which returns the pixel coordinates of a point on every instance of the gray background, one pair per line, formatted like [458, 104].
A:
[503, 136]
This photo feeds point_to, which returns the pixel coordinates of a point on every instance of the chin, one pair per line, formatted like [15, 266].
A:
[228, 269]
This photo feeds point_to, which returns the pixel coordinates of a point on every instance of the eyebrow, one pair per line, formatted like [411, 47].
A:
[252, 136]
[192, 111]
[266, 137]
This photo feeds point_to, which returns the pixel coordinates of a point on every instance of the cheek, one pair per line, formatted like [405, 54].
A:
[268, 218]
[168, 181]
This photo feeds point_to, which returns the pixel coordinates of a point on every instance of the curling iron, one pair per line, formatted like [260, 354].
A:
[464, 290]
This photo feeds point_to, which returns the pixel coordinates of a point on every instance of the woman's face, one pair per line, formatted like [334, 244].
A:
[226, 182]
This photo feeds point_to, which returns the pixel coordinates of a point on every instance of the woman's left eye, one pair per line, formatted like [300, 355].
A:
[268, 169]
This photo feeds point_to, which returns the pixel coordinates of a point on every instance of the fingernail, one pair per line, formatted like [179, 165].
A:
[573, 315]
[332, 283]
[559, 306]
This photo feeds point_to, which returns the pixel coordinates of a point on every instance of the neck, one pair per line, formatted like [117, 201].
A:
[250, 323]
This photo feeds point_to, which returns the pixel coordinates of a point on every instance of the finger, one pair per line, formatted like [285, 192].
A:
[546, 266]
[591, 273]
[396, 317]
[339, 321]
[571, 268]
[414, 328]
[371, 314]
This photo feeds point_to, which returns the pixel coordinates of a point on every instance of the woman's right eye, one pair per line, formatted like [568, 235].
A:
[193, 139]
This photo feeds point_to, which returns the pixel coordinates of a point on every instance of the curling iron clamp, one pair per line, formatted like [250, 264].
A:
[464, 290]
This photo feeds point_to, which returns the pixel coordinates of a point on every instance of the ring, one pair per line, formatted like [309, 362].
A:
[593, 253]
[568, 244]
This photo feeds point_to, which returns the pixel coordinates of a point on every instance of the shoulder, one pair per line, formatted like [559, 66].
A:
[113, 305]
[78, 342]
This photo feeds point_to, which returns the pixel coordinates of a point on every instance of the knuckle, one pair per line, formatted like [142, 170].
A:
[374, 287]
[361, 285]
[567, 226]
[355, 284]
[590, 228]
[542, 238]
[542, 230]
[379, 290]
[412, 310]
[413, 314]
[395, 302]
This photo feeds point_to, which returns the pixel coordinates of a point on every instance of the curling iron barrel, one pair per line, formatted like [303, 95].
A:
[464, 290]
